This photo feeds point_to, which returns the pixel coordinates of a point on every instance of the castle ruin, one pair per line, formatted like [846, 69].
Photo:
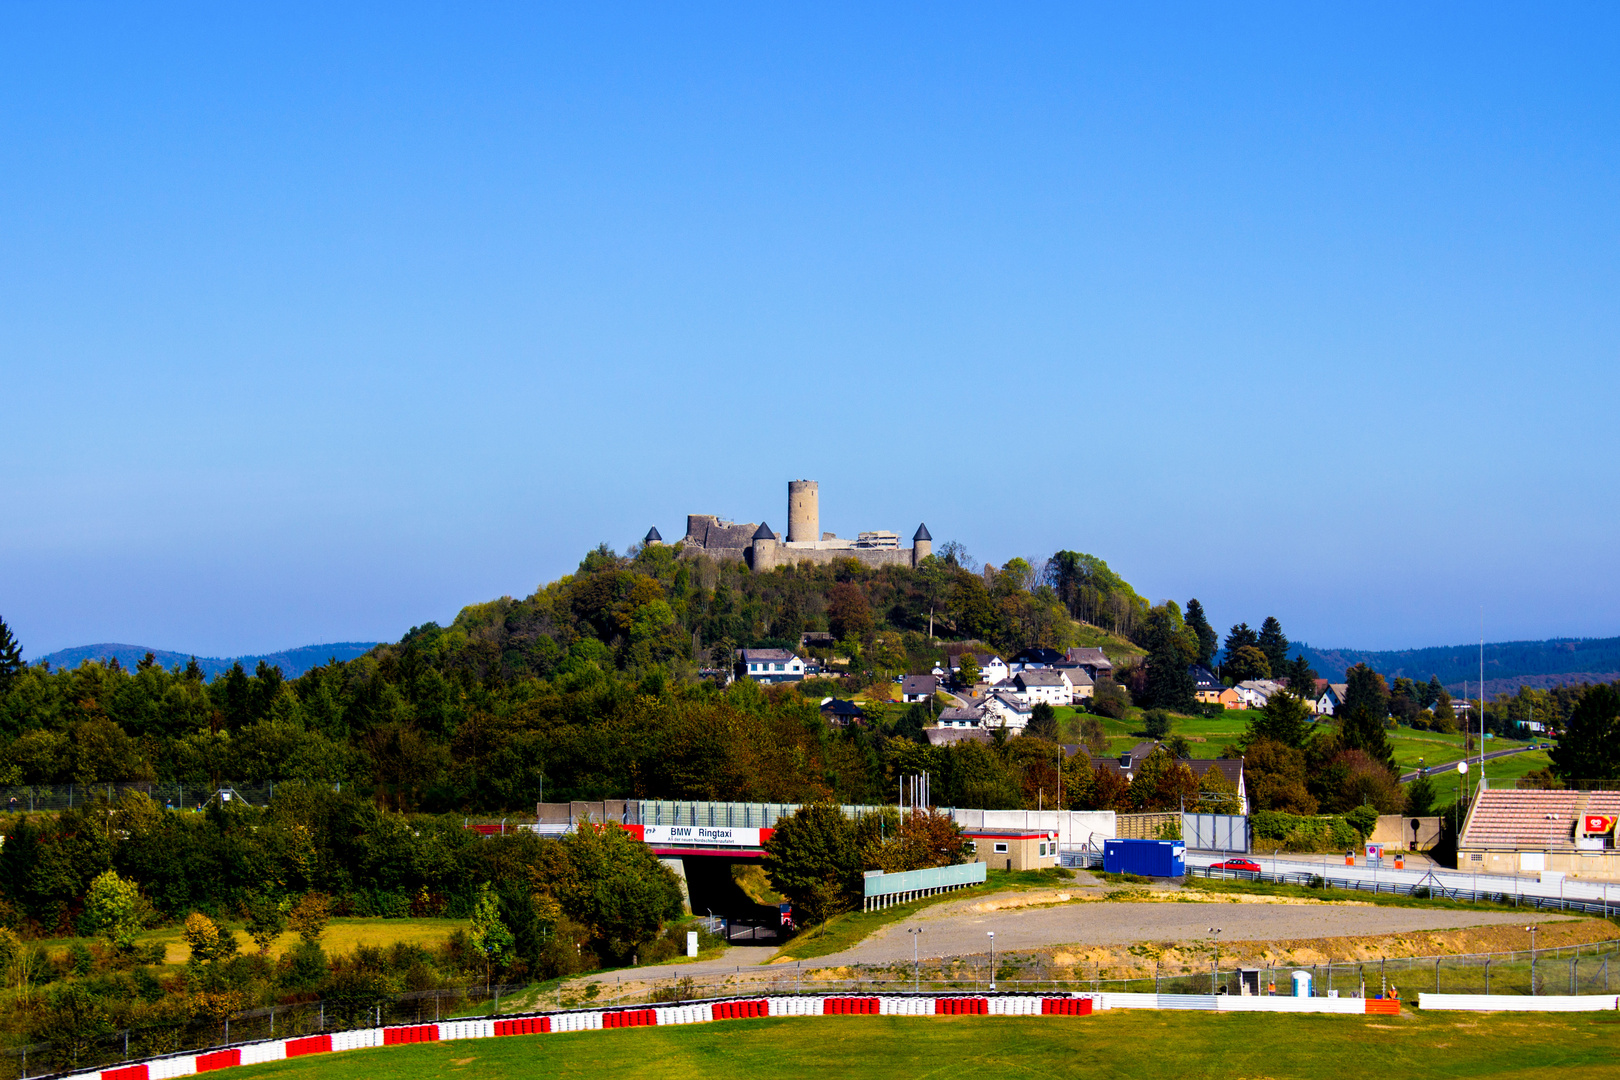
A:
[763, 549]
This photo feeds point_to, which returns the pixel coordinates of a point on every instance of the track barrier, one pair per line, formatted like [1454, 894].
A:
[697, 1012]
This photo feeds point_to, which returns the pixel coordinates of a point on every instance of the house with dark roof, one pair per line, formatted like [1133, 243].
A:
[841, 713]
[770, 665]
[1206, 687]
[1034, 657]
[918, 688]
[1127, 764]
[992, 668]
[1092, 659]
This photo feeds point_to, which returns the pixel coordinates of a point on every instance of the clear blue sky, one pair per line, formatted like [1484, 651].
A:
[317, 323]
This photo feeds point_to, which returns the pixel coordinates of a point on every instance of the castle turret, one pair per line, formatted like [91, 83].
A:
[652, 537]
[762, 554]
[804, 512]
[922, 545]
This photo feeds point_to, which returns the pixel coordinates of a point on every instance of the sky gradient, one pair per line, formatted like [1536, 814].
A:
[316, 324]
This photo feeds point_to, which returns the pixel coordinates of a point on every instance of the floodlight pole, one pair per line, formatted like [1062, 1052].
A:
[1215, 970]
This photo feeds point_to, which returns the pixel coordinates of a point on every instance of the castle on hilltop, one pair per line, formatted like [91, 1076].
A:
[762, 549]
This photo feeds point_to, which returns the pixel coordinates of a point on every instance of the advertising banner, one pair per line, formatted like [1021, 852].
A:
[1599, 824]
[704, 835]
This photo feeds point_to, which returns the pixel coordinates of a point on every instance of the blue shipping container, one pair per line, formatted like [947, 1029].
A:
[1149, 858]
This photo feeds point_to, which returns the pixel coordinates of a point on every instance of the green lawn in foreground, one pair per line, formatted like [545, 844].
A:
[1122, 1043]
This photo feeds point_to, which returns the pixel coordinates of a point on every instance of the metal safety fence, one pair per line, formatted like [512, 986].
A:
[1428, 887]
[171, 794]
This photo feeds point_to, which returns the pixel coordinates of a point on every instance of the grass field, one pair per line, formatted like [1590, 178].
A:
[342, 935]
[1149, 1044]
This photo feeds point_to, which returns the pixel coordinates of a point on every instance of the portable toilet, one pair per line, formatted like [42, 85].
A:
[1302, 984]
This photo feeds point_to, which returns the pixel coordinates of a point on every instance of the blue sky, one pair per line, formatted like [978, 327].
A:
[320, 322]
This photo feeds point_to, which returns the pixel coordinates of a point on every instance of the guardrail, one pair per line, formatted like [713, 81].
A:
[883, 890]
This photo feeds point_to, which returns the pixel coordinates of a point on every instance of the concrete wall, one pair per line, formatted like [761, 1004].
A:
[1396, 832]
[1575, 865]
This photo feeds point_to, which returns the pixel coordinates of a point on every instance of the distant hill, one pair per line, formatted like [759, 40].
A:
[292, 662]
[1508, 664]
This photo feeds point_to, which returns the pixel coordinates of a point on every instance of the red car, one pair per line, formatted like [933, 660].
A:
[1238, 864]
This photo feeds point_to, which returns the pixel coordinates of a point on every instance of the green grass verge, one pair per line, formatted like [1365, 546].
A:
[850, 929]
[1120, 1043]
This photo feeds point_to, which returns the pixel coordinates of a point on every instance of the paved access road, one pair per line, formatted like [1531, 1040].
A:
[1408, 777]
[961, 930]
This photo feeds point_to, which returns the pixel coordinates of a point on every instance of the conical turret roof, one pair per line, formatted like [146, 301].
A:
[921, 534]
[652, 536]
[764, 532]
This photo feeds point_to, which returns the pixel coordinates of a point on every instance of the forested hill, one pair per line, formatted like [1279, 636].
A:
[292, 662]
[595, 687]
[1508, 664]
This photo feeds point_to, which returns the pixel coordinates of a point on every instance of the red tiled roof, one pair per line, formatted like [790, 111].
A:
[1529, 818]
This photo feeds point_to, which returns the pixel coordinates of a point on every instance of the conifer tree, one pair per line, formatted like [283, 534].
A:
[1274, 644]
[11, 661]
[1208, 639]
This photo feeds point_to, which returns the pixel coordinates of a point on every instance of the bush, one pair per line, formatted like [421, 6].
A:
[1292, 832]
[1156, 722]
[1364, 819]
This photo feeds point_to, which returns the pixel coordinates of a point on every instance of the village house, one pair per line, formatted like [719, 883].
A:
[918, 688]
[1206, 687]
[771, 665]
[992, 669]
[1091, 658]
[1003, 708]
[1038, 685]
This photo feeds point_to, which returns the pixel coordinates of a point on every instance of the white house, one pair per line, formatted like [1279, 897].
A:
[1256, 692]
[918, 688]
[1332, 697]
[1047, 685]
[956, 717]
[992, 669]
[771, 665]
[1002, 708]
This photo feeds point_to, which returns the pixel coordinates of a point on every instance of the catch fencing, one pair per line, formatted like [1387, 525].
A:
[171, 794]
[1217, 832]
[1428, 887]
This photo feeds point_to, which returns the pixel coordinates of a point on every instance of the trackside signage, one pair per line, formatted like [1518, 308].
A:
[705, 835]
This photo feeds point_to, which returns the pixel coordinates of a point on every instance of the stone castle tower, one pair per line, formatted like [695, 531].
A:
[763, 549]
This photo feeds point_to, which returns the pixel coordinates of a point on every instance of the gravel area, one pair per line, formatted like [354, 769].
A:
[959, 930]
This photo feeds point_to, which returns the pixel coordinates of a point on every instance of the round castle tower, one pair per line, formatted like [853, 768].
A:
[804, 512]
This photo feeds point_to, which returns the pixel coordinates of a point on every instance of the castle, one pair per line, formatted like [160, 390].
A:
[763, 549]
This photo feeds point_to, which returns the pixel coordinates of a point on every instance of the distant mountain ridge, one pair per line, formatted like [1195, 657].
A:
[1508, 664]
[292, 662]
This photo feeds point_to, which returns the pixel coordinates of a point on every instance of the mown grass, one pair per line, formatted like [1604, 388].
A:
[1115, 1044]
[850, 929]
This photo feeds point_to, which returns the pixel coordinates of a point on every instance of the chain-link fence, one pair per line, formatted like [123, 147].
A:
[1430, 887]
[29, 798]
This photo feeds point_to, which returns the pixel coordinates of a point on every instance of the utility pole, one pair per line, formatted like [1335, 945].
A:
[992, 935]
[916, 976]
[1215, 970]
